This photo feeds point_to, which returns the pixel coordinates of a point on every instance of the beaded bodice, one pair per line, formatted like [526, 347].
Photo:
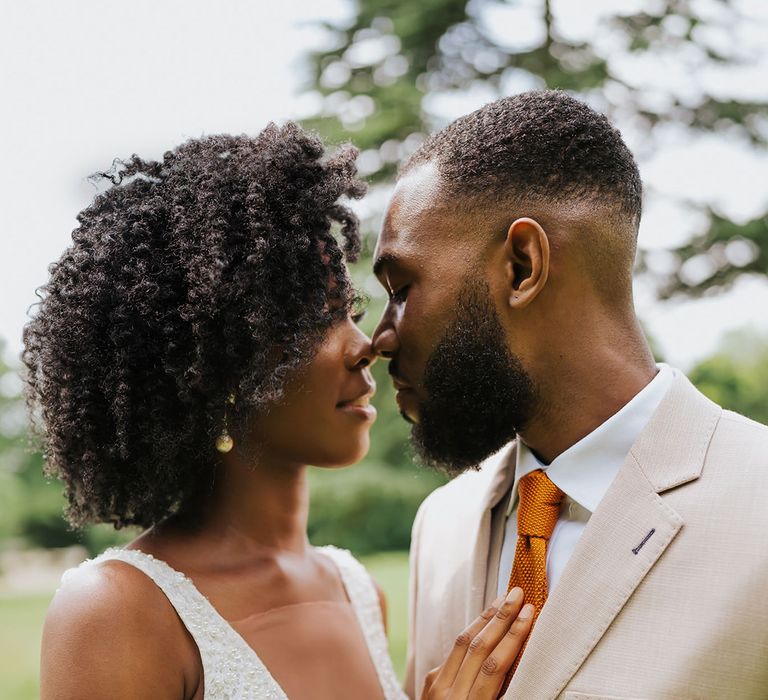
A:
[232, 669]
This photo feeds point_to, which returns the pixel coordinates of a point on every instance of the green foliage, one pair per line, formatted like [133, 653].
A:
[21, 477]
[367, 508]
[390, 571]
[31, 505]
[737, 376]
[407, 34]
[21, 626]
[395, 53]
[727, 250]
[10, 503]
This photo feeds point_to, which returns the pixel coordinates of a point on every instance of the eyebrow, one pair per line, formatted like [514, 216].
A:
[382, 261]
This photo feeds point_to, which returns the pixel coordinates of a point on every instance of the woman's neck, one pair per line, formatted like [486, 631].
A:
[260, 506]
[257, 510]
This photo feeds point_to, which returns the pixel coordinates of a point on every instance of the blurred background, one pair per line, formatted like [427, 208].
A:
[85, 82]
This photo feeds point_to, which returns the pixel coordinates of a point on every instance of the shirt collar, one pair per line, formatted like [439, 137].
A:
[587, 468]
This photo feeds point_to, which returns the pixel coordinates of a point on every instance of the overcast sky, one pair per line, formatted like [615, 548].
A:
[86, 81]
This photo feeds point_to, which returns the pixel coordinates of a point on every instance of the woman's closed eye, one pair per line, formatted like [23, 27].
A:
[359, 316]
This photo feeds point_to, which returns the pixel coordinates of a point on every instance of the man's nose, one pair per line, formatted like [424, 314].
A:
[384, 339]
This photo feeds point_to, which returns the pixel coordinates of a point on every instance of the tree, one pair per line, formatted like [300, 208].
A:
[12, 456]
[736, 375]
[32, 505]
[388, 68]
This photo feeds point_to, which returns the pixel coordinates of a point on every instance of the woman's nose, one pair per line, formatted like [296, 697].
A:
[367, 358]
[362, 353]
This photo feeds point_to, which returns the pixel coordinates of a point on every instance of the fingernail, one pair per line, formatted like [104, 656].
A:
[514, 594]
[527, 612]
[498, 601]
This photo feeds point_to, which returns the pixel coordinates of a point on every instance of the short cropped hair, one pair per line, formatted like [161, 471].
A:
[540, 146]
[212, 271]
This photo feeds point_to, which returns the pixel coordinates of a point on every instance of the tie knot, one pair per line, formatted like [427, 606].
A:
[539, 506]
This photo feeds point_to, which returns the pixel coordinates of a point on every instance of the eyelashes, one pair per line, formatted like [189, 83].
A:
[400, 295]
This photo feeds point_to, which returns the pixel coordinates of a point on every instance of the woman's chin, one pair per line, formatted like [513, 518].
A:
[347, 457]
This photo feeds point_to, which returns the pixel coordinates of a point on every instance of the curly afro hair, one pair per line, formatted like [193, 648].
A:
[214, 271]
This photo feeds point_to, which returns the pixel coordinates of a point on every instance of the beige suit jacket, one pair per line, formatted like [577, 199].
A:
[682, 615]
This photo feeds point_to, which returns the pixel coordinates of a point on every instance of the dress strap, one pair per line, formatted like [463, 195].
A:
[365, 601]
[231, 668]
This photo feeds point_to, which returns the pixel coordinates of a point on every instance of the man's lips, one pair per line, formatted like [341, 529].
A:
[404, 390]
[407, 401]
[400, 385]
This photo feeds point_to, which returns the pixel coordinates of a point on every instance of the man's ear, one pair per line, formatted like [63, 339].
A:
[526, 249]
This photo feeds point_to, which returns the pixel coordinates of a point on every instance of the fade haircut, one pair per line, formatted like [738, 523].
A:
[535, 146]
[545, 151]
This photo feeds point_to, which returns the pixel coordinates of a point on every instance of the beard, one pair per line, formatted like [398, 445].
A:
[479, 394]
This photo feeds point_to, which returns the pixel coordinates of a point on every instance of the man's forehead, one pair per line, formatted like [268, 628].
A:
[416, 218]
[420, 187]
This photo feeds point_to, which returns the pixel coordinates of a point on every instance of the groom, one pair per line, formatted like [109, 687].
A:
[631, 510]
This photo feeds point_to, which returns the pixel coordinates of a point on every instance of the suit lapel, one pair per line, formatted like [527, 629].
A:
[606, 566]
[626, 535]
[501, 469]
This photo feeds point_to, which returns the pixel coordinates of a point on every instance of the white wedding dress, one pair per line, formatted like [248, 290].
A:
[232, 669]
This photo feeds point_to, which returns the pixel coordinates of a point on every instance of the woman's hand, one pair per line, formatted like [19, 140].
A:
[482, 653]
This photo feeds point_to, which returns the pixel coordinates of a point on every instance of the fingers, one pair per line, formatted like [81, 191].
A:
[429, 681]
[483, 645]
[500, 660]
[447, 672]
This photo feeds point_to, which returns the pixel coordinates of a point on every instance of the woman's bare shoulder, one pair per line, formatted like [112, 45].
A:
[111, 632]
[110, 595]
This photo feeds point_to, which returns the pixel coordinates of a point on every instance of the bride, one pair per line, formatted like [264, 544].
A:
[194, 349]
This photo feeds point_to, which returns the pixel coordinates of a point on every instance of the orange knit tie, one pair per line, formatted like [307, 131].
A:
[537, 513]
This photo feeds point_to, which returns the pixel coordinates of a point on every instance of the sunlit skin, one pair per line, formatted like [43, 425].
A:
[584, 349]
[249, 553]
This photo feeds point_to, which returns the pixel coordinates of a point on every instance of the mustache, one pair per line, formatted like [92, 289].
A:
[394, 372]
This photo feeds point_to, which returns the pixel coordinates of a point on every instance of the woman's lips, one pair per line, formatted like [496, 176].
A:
[359, 407]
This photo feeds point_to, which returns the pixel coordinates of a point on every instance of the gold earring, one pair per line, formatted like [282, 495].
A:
[224, 443]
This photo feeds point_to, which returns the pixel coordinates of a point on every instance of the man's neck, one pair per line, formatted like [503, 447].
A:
[582, 397]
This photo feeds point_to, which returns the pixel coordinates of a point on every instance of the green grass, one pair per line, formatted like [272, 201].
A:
[21, 621]
[390, 569]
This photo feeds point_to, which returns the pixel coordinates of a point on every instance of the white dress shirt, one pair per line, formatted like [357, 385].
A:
[583, 472]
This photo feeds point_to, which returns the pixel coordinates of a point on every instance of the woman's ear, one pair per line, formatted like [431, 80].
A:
[526, 251]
